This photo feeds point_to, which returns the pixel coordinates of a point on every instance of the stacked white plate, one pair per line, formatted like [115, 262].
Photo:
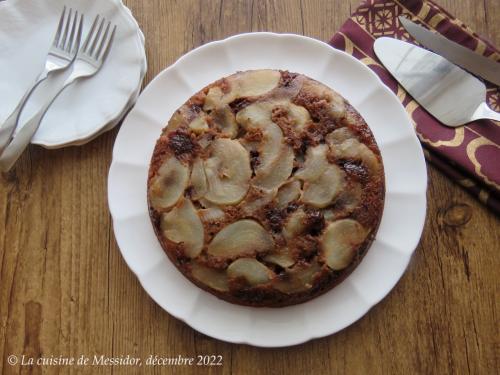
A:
[87, 108]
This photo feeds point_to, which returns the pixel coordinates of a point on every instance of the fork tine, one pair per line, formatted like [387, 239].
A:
[89, 35]
[108, 45]
[66, 29]
[69, 45]
[78, 39]
[59, 27]
[97, 37]
[103, 41]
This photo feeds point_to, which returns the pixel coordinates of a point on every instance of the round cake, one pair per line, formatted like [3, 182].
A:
[266, 188]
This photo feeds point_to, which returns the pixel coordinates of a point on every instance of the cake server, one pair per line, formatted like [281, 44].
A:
[479, 65]
[452, 95]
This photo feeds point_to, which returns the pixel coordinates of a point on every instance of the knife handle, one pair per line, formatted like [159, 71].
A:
[485, 112]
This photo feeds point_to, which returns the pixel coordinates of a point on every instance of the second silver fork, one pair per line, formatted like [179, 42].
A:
[89, 61]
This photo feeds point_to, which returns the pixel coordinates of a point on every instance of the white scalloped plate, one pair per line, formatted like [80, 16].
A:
[385, 262]
[87, 107]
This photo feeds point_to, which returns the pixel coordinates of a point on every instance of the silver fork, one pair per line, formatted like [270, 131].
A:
[61, 54]
[89, 61]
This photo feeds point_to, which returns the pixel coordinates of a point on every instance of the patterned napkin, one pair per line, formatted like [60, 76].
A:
[469, 155]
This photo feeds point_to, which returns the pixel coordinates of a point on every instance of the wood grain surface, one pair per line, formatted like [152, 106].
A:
[66, 291]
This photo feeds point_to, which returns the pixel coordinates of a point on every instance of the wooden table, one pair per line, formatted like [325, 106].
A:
[65, 289]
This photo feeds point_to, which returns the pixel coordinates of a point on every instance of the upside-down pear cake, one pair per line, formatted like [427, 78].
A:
[266, 188]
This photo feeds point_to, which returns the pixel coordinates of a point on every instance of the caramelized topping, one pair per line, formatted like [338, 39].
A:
[265, 183]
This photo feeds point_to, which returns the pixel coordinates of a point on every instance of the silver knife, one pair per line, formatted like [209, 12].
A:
[457, 54]
[452, 95]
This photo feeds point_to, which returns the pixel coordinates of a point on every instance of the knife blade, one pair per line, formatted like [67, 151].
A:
[454, 52]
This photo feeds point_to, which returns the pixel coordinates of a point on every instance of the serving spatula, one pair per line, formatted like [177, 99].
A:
[446, 91]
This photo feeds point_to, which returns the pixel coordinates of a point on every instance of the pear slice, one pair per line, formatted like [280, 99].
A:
[339, 242]
[251, 270]
[241, 85]
[337, 107]
[169, 184]
[199, 125]
[329, 214]
[338, 136]
[321, 192]
[225, 121]
[213, 99]
[256, 199]
[211, 214]
[258, 116]
[228, 172]
[299, 114]
[183, 225]
[315, 163]
[299, 278]
[269, 149]
[254, 82]
[288, 193]
[295, 224]
[281, 258]
[354, 149]
[345, 203]
[241, 237]
[278, 172]
[345, 145]
[198, 180]
[177, 120]
[205, 140]
[208, 276]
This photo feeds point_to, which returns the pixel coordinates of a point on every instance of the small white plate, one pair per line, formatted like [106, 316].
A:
[27, 29]
[385, 262]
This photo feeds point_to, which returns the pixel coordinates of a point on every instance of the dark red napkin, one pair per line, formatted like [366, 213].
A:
[469, 155]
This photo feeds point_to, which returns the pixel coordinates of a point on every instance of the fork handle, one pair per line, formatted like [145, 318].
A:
[23, 137]
[9, 126]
